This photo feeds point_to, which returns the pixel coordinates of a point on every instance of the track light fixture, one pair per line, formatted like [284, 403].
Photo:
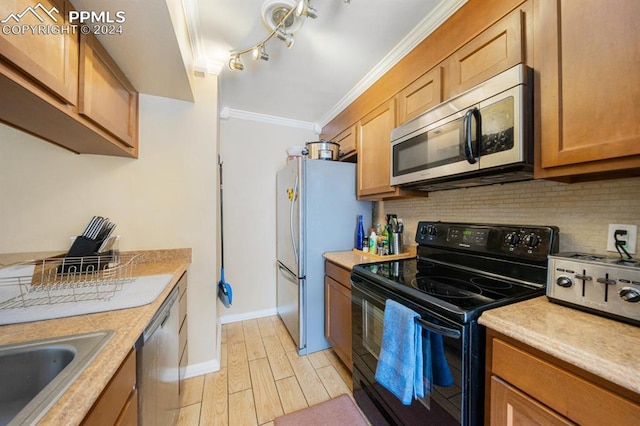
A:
[285, 20]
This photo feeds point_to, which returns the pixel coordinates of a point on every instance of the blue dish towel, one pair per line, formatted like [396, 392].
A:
[436, 368]
[400, 369]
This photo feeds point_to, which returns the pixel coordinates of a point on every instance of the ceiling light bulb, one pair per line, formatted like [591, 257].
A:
[235, 64]
[286, 38]
[304, 9]
[259, 52]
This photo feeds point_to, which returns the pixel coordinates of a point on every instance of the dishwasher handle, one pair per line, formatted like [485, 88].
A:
[160, 317]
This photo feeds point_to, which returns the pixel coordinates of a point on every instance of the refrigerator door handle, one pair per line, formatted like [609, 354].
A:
[291, 222]
[290, 276]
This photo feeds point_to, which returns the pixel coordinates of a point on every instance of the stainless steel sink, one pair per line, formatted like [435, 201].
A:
[35, 374]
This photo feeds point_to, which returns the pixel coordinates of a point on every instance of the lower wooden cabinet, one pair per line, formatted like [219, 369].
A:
[118, 403]
[338, 311]
[528, 386]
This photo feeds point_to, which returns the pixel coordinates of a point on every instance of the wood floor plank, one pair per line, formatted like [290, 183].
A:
[265, 394]
[191, 393]
[284, 336]
[309, 381]
[235, 333]
[238, 367]
[189, 415]
[242, 410]
[340, 368]
[223, 334]
[215, 400]
[319, 359]
[332, 381]
[223, 355]
[266, 327]
[280, 365]
[291, 395]
[253, 340]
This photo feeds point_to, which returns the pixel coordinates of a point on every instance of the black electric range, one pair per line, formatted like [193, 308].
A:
[460, 271]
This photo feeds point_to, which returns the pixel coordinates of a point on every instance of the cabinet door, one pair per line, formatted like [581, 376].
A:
[589, 96]
[496, 49]
[347, 141]
[374, 151]
[106, 97]
[51, 59]
[510, 407]
[419, 96]
[338, 319]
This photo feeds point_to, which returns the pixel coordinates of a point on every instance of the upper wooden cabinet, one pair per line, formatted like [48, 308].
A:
[374, 152]
[106, 96]
[61, 89]
[419, 96]
[587, 62]
[496, 49]
[347, 141]
[50, 59]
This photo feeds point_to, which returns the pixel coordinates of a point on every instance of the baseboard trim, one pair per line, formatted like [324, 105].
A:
[199, 369]
[226, 319]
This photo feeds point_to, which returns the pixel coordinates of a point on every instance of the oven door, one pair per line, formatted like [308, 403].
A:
[450, 405]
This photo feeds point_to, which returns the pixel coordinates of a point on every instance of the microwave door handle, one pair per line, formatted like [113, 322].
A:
[469, 153]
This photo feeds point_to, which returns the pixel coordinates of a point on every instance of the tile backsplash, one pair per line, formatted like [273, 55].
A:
[582, 211]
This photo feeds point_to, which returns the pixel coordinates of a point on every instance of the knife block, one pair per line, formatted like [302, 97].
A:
[83, 246]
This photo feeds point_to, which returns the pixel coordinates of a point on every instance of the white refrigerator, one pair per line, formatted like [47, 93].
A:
[317, 212]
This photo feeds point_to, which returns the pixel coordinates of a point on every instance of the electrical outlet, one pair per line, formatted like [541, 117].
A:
[631, 237]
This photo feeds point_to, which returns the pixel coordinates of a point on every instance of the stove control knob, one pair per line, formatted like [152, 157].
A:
[512, 239]
[564, 281]
[532, 240]
[630, 294]
[432, 231]
[423, 230]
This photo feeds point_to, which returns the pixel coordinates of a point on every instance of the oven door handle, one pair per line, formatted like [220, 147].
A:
[434, 328]
[438, 329]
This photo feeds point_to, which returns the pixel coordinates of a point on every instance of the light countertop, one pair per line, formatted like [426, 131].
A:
[604, 347]
[128, 324]
[348, 259]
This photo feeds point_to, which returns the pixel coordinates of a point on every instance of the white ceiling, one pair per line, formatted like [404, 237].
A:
[334, 58]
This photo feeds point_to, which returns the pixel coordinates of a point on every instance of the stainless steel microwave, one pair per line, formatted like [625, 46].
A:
[481, 137]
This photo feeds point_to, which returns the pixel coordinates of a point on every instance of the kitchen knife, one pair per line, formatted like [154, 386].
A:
[90, 225]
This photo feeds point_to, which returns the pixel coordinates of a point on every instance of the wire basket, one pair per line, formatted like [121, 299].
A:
[68, 279]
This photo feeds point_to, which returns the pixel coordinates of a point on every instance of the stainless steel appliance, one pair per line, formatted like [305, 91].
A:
[481, 137]
[461, 270]
[157, 361]
[322, 150]
[606, 286]
[317, 212]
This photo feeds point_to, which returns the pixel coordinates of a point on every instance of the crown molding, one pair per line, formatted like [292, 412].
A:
[201, 62]
[227, 113]
[441, 13]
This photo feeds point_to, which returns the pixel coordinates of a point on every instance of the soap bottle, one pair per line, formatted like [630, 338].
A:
[373, 239]
[359, 233]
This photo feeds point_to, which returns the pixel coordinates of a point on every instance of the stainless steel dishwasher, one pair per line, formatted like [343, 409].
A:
[158, 363]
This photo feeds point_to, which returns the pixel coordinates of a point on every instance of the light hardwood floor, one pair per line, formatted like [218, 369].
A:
[261, 377]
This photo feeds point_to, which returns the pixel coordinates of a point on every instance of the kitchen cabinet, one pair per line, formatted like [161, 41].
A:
[419, 96]
[347, 141]
[65, 90]
[106, 97]
[338, 311]
[528, 386]
[118, 403]
[182, 334]
[374, 152]
[50, 59]
[587, 98]
[496, 49]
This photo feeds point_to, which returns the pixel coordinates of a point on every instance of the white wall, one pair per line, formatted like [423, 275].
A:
[165, 199]
[252, 153]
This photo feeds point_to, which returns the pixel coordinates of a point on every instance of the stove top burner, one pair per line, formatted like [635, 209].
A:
[492, 283]
[448, 287]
